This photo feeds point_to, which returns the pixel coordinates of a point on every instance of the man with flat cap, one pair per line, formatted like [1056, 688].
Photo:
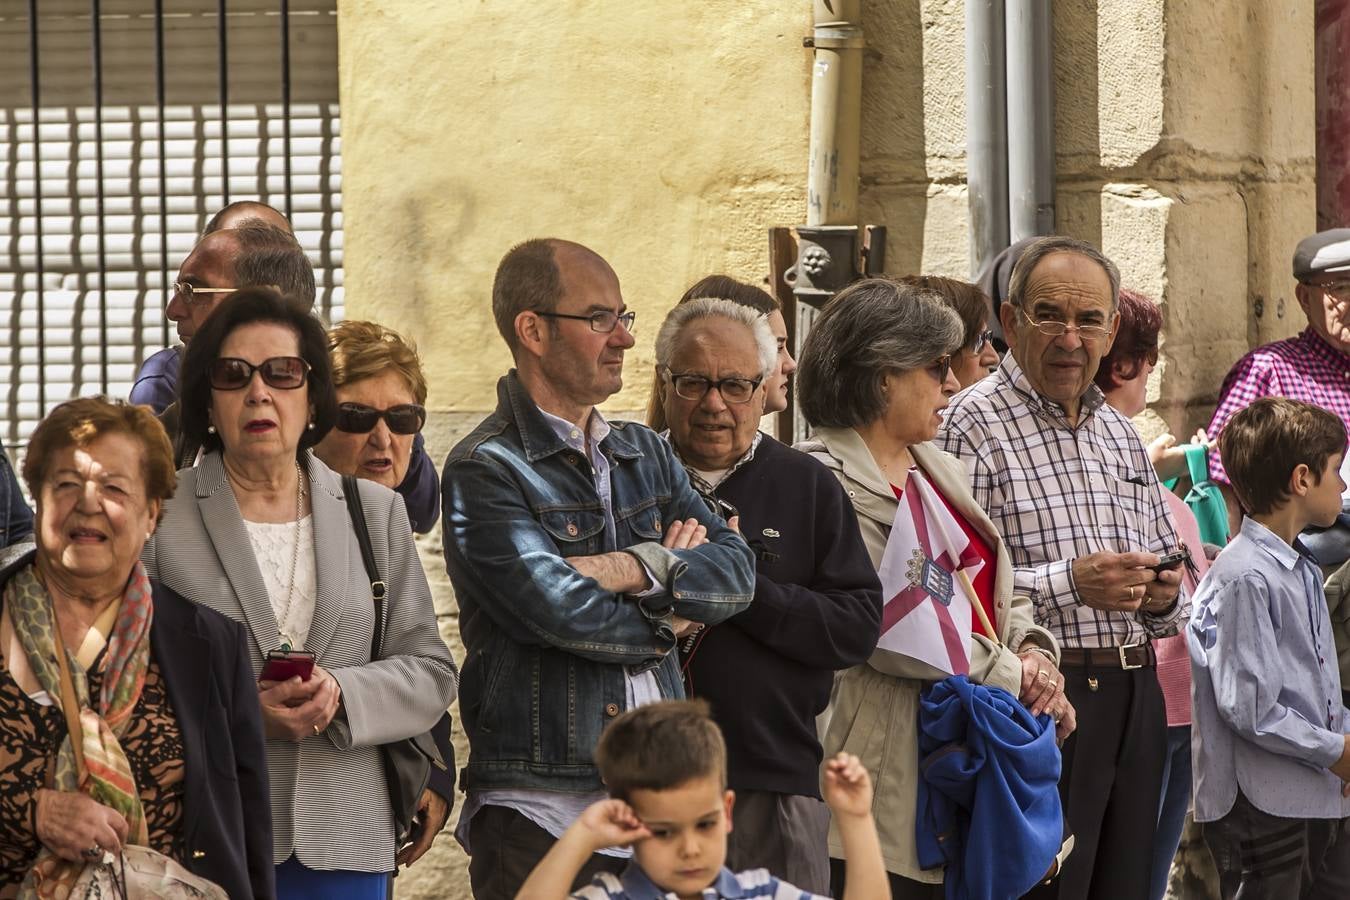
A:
[1313, 366]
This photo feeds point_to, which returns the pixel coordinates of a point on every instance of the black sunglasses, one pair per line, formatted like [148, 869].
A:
[229, 373]
[357, 418]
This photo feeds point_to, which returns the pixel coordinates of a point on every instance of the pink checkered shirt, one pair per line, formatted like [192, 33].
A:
[1303, 367]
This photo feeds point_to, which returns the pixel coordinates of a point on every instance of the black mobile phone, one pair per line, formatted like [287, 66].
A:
[1171, 561]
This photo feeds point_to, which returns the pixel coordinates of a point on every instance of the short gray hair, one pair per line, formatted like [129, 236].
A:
[686, 314]
[870, 328]
[1039, 250]
[270, 257]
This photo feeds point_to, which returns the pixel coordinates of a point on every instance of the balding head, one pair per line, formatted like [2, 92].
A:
[241, 211]
[533, 276]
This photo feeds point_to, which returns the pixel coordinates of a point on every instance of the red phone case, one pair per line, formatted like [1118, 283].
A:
[281, 668]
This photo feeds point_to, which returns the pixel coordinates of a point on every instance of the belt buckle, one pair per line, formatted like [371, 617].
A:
[1123, 663]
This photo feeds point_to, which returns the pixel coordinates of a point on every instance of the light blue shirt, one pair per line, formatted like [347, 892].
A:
[1267, 714]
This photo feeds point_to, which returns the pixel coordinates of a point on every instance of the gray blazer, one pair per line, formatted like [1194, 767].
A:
[330, 806]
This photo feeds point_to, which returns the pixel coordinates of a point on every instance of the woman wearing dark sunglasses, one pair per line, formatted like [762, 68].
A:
[259, 531]
[380, 392]
[976, 356]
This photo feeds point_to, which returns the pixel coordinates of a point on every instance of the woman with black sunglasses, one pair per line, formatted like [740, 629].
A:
[259, 530]
[380, 393]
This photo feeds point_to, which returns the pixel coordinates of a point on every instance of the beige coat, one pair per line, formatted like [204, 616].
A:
[875, 708]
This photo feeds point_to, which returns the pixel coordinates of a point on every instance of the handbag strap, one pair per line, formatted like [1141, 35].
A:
[377, 586]
[70, 706]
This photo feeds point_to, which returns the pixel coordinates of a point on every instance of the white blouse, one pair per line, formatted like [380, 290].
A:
[274, 548]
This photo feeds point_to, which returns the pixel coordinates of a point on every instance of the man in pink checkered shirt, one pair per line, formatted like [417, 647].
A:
[1313, 366]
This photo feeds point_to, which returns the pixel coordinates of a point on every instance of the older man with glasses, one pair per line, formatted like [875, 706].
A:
[768, 671]
[1068, 482]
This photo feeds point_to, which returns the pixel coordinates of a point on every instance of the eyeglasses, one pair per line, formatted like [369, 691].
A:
[357, 418]
[602, 321]
[982, 340]
[1338, 289]
[941, 367]
[696, 387]
[189, 292]
[1053, 328]
[285, 373]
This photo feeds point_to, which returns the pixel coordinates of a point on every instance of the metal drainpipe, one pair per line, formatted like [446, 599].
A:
[1031, 110]
[836, 101]
[986, 132]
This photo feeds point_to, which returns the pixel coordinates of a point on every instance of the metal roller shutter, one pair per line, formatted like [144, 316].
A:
[125, 185]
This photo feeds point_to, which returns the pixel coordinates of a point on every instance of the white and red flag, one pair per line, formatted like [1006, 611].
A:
[927, 613]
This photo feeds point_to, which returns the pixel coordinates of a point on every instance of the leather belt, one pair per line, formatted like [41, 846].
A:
[1129, 656]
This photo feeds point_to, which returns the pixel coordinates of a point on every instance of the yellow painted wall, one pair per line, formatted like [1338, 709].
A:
[667, 136]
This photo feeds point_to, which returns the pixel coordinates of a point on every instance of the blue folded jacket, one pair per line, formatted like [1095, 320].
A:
[988, 797]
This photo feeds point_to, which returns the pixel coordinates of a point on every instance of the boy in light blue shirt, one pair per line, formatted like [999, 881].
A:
[665, 766]
[1269, 746]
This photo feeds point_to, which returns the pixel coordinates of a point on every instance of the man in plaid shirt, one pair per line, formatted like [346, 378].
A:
[1068, 482]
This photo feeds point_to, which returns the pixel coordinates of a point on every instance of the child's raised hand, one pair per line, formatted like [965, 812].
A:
[612, 823]
[848, 787]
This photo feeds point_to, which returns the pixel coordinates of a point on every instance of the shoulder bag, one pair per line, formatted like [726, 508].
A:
[407, 763]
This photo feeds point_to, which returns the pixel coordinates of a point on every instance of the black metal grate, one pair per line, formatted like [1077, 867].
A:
[123, 127]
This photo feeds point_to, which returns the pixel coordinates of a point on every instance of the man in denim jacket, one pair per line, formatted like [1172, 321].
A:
[16, 519]
[577, 548]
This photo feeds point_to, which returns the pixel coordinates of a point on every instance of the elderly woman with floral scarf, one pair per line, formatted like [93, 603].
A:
[170, 755]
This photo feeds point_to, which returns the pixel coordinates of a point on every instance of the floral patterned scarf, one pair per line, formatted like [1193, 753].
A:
[103, 720]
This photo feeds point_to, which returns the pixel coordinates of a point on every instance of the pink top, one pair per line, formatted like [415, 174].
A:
[1174, 662]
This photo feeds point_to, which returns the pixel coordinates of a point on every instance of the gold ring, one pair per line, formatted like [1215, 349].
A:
[316, 729]
[1043, 675]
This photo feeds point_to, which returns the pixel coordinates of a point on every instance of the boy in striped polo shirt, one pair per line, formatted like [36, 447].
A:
[665, 766]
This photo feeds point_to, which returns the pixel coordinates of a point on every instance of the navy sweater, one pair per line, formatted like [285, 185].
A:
[767, 671]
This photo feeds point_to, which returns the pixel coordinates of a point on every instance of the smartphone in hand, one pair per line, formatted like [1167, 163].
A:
[1172, 561]
[282, 665]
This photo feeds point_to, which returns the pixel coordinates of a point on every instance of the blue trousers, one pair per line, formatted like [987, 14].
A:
[1172, 807]
[295, 881]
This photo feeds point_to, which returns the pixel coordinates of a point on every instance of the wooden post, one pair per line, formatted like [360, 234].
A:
[782, 255]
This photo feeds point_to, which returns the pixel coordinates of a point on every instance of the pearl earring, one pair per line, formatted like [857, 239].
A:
[210, 429]
[310, 426]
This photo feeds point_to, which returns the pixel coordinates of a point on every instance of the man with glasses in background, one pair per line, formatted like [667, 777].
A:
[1068, 482]
[1313, 366]
[573, 544]
[767, 672]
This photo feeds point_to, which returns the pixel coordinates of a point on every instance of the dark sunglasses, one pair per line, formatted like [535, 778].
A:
[981, 339]
[941, 367]
[229, 373]
[357, 418]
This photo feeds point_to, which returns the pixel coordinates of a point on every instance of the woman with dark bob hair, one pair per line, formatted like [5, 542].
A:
[874, 377]
[259, 530]
[976, 355]
[170, 754]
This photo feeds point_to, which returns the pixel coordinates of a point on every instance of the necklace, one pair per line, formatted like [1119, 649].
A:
[282, 636]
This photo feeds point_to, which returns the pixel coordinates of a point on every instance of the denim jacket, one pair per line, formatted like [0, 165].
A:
[16, 519]
[548, 649]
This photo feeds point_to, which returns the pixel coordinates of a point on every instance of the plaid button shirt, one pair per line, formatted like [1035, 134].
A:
[1057, 492]
[1303, 367]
